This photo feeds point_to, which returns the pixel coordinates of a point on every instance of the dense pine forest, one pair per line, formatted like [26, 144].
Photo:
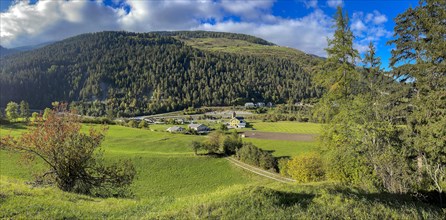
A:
[123, 74]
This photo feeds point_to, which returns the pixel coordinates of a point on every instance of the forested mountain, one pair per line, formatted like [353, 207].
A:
[5, 51]
[123, 73]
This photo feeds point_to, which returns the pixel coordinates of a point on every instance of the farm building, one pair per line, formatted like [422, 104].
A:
[250, 105]
[199, 128]
[237, 121]
[175, 129]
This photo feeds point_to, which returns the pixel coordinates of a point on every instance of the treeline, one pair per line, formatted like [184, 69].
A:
[14, 111]
[219, 144]
[211, 34]
[125, 74]
[389, 135]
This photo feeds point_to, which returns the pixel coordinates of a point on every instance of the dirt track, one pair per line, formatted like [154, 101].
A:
[279, 136]
[259, 171]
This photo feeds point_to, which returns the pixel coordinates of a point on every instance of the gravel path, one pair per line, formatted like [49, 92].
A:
[259, 171]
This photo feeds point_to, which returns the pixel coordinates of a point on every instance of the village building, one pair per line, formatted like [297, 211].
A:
[250, 105]
[175, 129]
[260, 104]
[237, 121]
[200, 128]
[149, 120]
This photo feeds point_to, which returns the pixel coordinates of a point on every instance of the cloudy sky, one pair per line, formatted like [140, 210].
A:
[301, 24]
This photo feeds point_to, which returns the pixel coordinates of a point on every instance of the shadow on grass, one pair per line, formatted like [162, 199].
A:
[15, 125]
[423, 197]
[283, 157]
[213, 155]
[280, 198]
[289, 199]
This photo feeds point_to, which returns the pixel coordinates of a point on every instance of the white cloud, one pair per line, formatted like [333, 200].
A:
[308, 34]
[368, 28]
[335, 3]
[358, 27]
[167, 15]
[310, 3]
[247, 9]
[27, 24]
[44, 21]
[379, 18]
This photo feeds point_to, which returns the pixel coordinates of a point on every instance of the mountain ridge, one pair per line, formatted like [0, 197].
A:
[136, 73]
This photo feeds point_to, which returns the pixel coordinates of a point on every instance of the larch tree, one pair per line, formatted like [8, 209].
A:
[342, 111]
[337, 74]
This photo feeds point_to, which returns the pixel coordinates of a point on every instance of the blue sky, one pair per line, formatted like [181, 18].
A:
[301, 24]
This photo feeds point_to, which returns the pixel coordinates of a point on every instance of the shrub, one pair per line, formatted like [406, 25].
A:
[101, 120]
[12, 111]
[306, 168]
[143, 124]
[212, 144]
[232, 143]
[74, 158]
[34, 117]
[196, 146]
[132, 124]
[283, 166]
[253, 155]
[46, 112]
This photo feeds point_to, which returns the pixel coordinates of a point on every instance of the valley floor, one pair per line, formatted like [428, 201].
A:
[174, 183]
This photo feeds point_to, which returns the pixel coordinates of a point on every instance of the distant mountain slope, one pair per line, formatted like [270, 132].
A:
[8, 51]
[32, 47]
[5, 51]
[142, 73]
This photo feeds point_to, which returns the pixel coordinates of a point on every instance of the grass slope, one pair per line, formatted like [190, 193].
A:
[165, 163]
[247, 48]
[284, 148]
[173, 183]
[276, 201]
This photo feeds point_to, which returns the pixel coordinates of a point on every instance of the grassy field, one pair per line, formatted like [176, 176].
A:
[287, 127]
[284, 148]
[173, 183]
[165, 163]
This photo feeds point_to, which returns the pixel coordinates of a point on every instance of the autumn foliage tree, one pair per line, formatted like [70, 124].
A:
[306, 168]
[74, 157]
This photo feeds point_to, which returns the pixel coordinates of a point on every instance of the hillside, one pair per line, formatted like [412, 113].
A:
[5, 51]
[172, 183]
[142, 73]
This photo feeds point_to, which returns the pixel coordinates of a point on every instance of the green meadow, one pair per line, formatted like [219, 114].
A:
[287, 127]
[282, 148]
[174, 183]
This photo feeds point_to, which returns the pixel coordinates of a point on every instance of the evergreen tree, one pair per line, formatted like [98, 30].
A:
[359, 139]
[419, 54]
[337, 74]
[338, 71]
